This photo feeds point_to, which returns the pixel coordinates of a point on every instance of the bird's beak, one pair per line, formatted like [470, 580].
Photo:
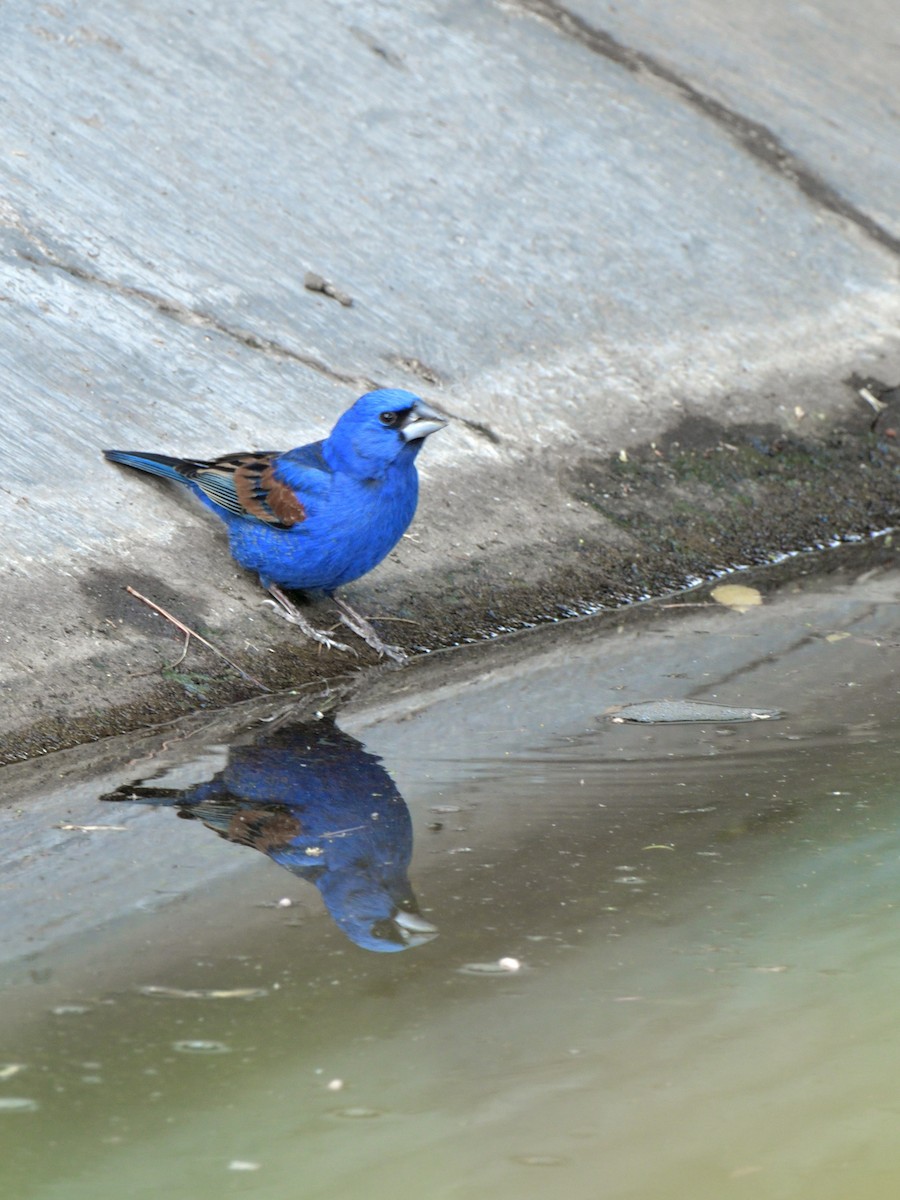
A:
[421, 421]
[413, 928]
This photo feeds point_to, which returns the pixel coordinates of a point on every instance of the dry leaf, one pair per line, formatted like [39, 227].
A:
[736, 596]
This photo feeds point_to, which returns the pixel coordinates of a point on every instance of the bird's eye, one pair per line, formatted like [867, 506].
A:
[388, 418]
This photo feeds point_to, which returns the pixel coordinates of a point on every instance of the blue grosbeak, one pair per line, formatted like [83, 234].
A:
[321, 515]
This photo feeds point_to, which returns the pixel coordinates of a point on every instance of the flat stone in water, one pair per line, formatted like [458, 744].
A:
[670, 712]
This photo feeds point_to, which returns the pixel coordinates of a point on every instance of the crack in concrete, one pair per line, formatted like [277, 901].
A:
[754, 137]
[44, 257]
[174, 309]
[41, 255]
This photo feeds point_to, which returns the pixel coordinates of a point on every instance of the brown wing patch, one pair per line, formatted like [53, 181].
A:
[266, 829]
[282, 500]
[263, 496]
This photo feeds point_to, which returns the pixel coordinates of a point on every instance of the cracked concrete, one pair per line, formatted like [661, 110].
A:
[755, 137]
[574, 234]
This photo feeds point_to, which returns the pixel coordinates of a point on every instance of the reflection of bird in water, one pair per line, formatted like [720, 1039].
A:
[319, 804]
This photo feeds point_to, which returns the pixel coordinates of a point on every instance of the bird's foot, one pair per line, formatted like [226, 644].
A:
[360, 626]
[292, 613]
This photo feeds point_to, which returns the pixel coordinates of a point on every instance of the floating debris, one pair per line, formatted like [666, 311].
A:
[673, 712]
[17, 1104]
[242, 1164]
[172, 993]
[503, 966]
[357, 1113]
[8, 1070]
[199, 1046]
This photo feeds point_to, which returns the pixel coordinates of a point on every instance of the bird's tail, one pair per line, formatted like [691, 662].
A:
[179, 469]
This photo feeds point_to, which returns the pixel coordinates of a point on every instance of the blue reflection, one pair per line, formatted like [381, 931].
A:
[319, 804]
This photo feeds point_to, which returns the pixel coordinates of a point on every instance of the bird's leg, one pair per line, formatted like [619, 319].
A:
[361, 627]
[292, 613]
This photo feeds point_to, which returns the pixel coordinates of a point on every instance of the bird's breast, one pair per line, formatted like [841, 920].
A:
[345, 534]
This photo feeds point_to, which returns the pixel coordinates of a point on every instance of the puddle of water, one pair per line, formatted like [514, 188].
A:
[666, 957]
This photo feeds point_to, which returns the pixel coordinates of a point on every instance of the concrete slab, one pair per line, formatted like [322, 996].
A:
[815, 77]
[564, 253]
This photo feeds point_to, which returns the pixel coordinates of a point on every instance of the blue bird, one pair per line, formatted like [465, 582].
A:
[319, 516]
[320, 805]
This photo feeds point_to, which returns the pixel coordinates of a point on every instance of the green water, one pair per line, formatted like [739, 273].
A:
[706, 922]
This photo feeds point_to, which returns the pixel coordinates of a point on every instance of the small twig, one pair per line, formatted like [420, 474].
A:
[341, 833]
[183, 655]
[189, 633]
[692, 604]
[402, 620]
[871, 400]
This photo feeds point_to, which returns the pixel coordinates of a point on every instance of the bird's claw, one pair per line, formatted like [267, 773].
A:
[361, 627]
[354, 621]
[295, 617]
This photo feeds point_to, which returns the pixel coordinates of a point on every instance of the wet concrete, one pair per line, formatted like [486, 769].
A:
[445, 707]
[703, 916]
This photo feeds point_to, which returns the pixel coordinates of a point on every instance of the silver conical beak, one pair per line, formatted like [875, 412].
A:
[413, 928]
[422, 421]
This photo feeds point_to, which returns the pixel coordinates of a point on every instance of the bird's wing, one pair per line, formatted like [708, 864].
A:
[260, 485]
[247, 485]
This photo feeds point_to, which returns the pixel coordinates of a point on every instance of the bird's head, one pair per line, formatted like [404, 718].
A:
[375, 907]
[381, 427]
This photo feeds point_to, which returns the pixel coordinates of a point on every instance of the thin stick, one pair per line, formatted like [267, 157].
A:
[183, 655]
[189, 633]
[402, 620]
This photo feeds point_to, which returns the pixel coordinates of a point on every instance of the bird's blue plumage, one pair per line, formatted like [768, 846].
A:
[319, 804]
[323, 514]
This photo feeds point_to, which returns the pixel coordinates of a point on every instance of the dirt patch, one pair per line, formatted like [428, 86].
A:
[708, 498]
